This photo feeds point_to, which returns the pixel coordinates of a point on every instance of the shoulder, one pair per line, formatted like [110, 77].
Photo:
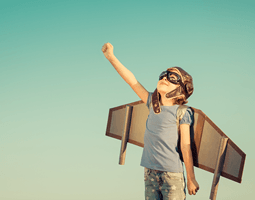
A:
[181, 110]
[184, 108]
[186, 114]
[149, 99]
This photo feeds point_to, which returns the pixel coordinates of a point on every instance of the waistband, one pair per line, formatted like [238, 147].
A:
[177, 174]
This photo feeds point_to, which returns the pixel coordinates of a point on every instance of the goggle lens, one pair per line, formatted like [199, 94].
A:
[171, 77]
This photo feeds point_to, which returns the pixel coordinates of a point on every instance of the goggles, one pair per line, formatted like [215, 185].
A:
[171, 77]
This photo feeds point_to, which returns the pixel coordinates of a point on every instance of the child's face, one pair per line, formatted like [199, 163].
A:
[164, 86]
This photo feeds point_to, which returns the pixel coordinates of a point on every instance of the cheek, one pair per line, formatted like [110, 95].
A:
[174, 86]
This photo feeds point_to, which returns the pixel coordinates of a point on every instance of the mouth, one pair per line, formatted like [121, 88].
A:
[163, 83]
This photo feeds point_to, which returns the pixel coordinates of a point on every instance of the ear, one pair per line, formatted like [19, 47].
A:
[189, 88]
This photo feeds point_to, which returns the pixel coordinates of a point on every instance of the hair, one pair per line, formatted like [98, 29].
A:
[181, 100]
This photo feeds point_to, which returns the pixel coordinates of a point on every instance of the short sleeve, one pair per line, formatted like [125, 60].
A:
[149, 100]
[188, 117]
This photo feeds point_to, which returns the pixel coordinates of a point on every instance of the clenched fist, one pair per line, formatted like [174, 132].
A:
[107, 49]
[193, 186]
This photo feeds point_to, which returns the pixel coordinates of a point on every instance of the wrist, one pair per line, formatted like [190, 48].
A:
[110, 57]
[191, 178]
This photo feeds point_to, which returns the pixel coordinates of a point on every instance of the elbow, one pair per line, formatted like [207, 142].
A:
[185, 147]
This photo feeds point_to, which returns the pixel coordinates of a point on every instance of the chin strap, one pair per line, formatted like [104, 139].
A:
[175, 93]
[155, 102]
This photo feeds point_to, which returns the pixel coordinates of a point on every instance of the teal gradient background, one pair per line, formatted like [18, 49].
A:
[56, 88]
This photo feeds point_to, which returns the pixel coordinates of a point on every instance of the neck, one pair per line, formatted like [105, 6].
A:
[166, 102]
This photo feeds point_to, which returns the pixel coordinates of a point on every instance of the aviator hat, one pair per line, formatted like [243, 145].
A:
[185, 89]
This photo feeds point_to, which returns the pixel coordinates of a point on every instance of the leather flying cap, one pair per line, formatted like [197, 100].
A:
[186, 85]
[185, 88]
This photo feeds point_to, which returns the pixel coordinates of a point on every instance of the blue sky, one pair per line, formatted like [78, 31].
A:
[56, 89]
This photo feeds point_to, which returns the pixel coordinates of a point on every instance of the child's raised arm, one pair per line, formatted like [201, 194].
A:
[127, 75]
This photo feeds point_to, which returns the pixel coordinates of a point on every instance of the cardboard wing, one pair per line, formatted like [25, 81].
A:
[205, 136]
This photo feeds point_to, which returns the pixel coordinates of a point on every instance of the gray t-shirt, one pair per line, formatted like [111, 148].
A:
[161, 138]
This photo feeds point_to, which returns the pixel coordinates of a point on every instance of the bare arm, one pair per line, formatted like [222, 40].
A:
[127, 75]
[192, 184]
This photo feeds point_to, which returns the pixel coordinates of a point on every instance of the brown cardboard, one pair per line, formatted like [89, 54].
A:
[206, 137]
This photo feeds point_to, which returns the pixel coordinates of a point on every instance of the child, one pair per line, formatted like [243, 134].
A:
[161, 161]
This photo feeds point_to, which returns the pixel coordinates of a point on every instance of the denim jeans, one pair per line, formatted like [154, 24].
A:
[161, 185]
